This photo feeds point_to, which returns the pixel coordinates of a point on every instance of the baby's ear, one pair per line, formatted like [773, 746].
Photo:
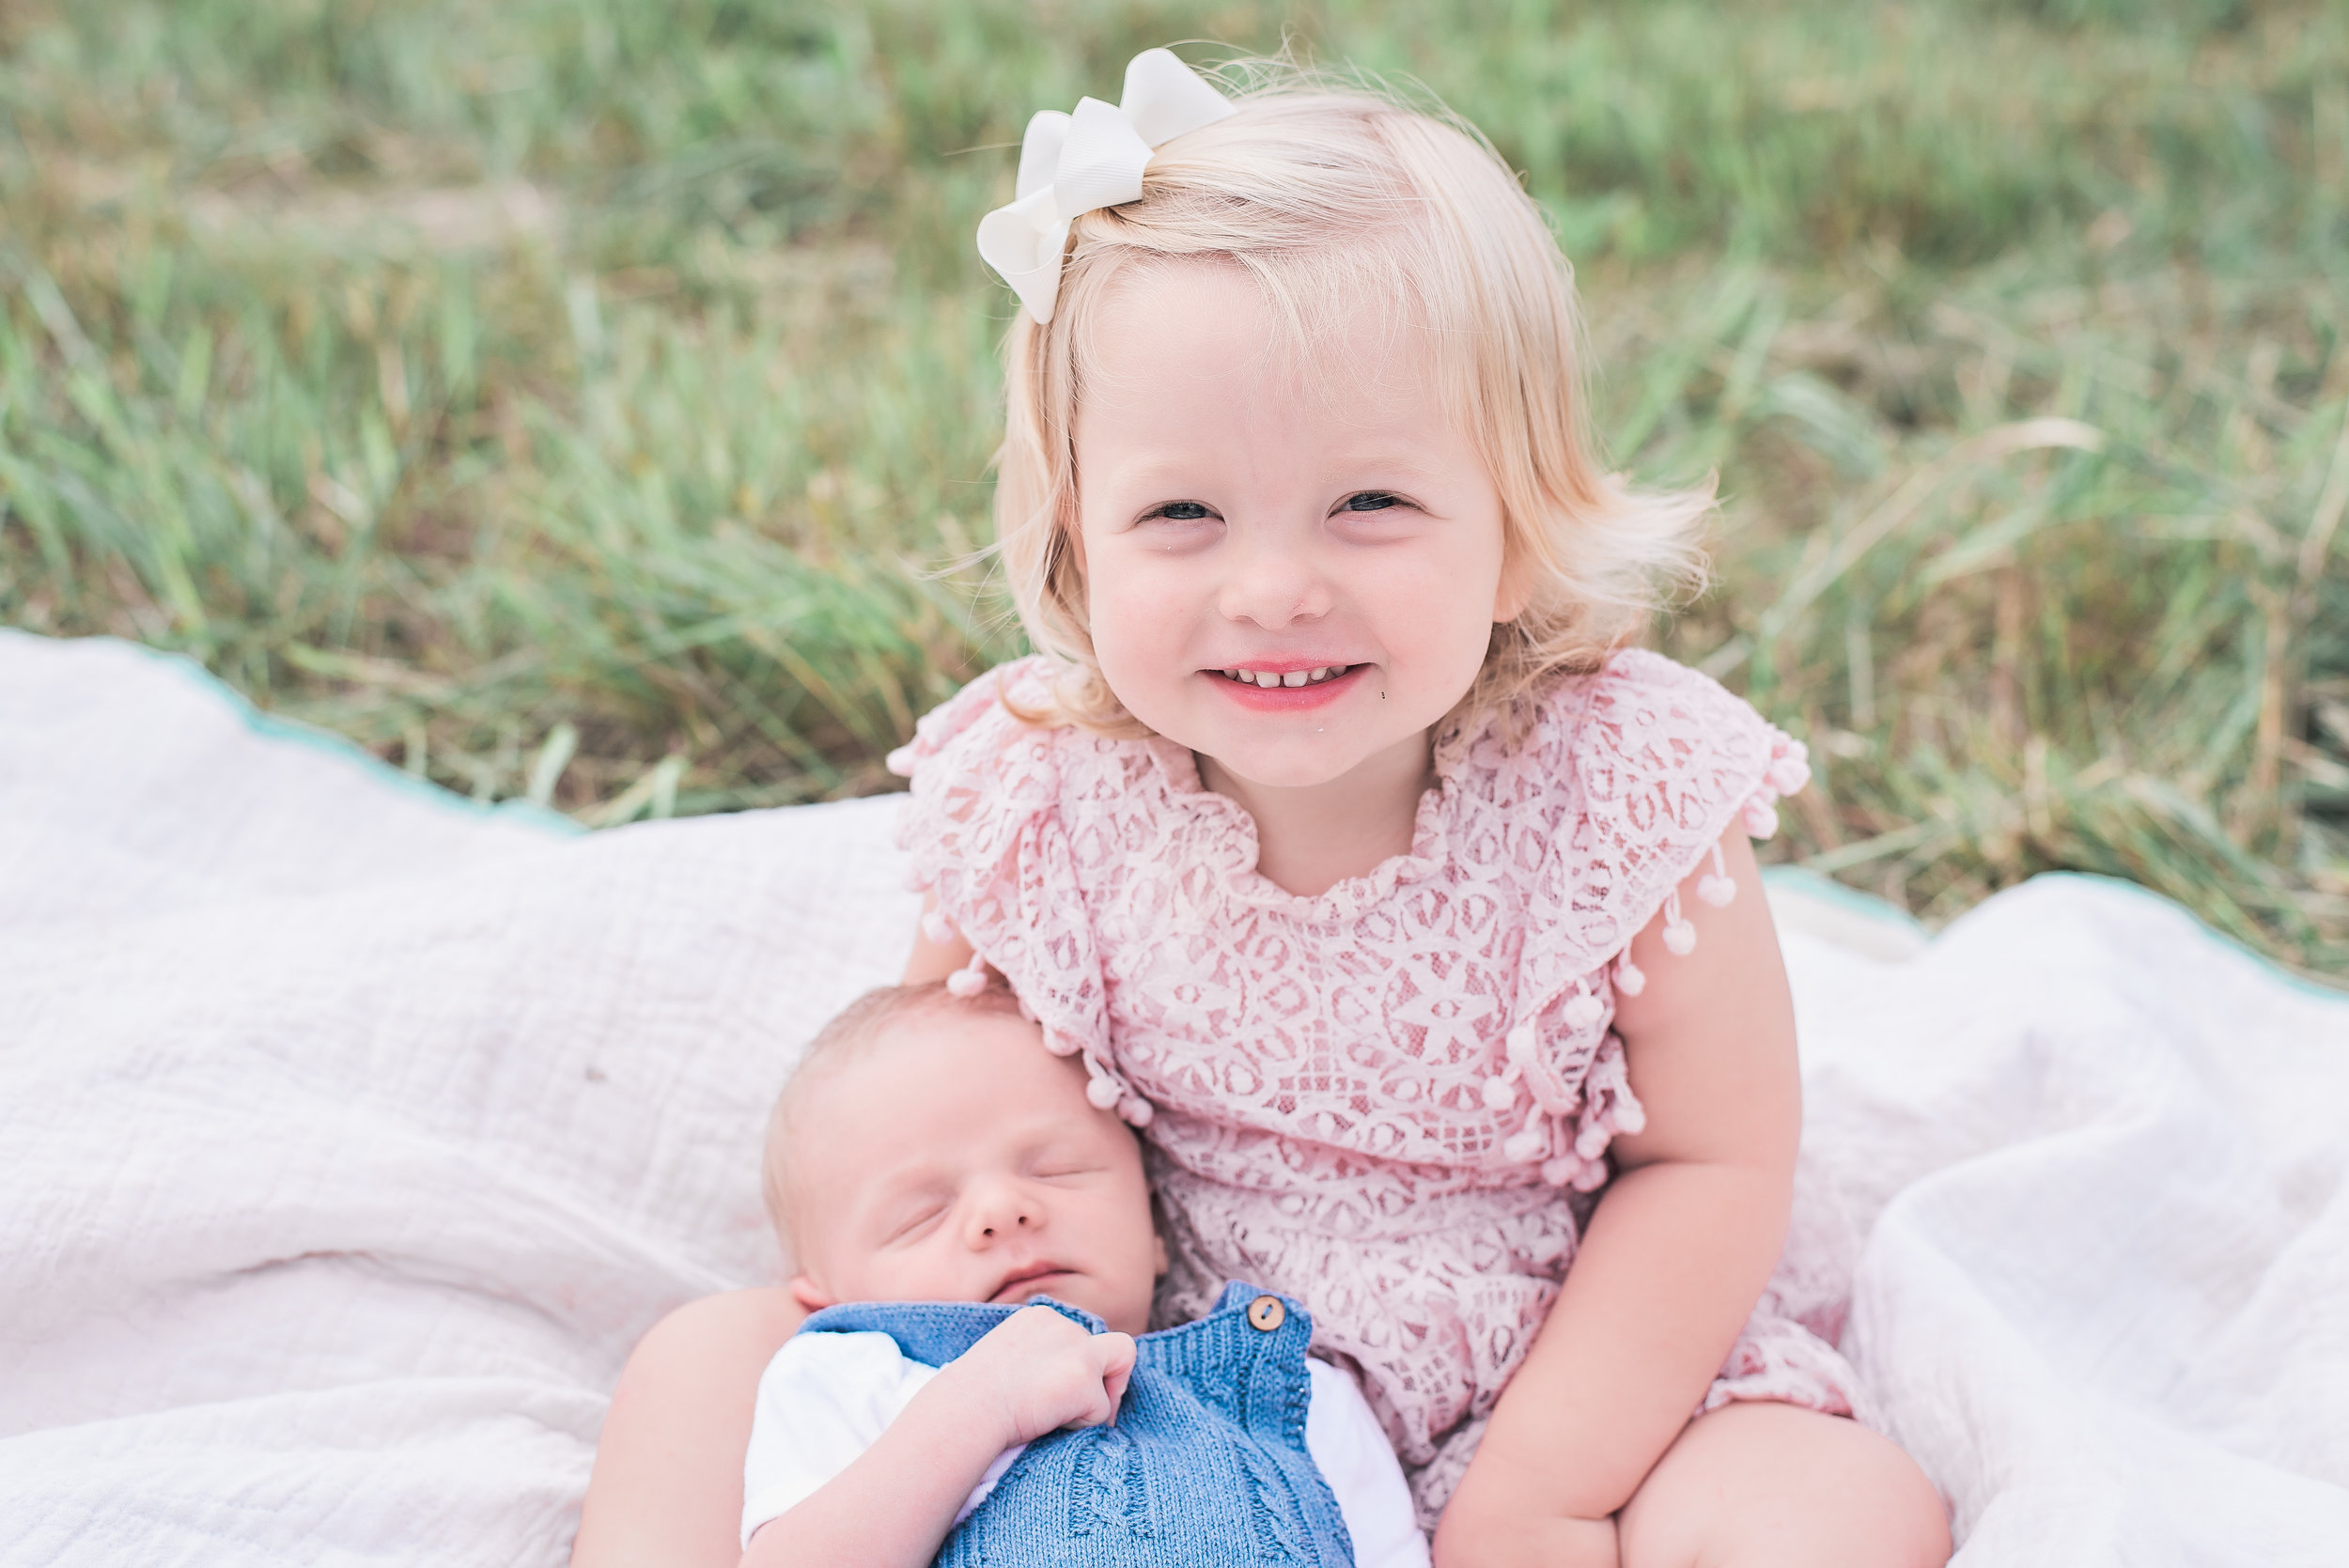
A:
[814, 1297]
[1159, 1264]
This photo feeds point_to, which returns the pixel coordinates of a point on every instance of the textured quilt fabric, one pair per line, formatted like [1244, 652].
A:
[350, 1135]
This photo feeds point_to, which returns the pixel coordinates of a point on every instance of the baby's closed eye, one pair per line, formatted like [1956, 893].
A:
[913, 1222]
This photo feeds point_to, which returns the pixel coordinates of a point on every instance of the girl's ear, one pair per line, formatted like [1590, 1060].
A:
[811, 1296]
[1159, 1264]
[1509, 598]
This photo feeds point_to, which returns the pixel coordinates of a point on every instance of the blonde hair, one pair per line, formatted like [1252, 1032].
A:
[1325, 194]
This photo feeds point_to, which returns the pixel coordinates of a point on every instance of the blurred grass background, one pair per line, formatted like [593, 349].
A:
[568, 399]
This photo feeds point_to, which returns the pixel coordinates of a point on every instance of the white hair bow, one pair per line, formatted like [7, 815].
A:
[1072, 163]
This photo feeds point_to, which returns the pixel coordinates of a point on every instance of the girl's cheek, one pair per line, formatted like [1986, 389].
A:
[1132, 610]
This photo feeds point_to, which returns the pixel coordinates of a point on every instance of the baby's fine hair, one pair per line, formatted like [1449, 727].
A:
[851, 1034]
[1329, 194]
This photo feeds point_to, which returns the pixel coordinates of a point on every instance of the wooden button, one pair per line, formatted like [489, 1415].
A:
[1268, 1313]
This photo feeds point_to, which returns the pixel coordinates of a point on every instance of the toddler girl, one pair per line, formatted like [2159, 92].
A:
[1338, 831]
[1335, 827]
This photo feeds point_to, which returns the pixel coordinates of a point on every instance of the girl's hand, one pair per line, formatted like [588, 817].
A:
[1039, 1371]
[1485, 1527]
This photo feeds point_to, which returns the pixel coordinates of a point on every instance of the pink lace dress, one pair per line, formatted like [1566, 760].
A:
[1392, 1100]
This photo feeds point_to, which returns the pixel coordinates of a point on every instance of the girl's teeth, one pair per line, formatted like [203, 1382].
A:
[1266, 680]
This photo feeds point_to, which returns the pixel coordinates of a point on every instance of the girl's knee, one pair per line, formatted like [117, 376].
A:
[1757, 1486]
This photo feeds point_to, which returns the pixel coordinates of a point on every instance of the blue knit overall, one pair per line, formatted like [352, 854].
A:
[1205, 1468]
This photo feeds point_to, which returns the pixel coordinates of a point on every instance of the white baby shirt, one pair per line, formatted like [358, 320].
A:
[826, 1398]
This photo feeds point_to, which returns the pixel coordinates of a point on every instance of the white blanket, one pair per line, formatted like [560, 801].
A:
[350, 1135]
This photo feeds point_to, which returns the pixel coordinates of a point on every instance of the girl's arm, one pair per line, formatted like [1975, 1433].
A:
[668, 1486]
[934, 960]
[1674, 1258]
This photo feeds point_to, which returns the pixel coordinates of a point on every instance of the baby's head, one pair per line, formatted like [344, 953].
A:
[930, 1148]
[1312, 402]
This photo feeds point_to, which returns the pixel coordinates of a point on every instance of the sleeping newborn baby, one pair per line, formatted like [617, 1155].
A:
[931, 1166]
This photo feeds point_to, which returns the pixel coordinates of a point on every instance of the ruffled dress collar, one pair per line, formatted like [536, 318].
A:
[1230, 847]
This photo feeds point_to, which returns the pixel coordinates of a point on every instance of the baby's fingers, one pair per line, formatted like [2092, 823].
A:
[1109, 1360]
[1117, 1367]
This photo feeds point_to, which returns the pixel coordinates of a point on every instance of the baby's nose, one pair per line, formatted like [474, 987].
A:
[1000, 1208]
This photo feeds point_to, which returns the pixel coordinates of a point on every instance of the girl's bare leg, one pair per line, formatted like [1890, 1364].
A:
[667, 1487]
[1757, 1486]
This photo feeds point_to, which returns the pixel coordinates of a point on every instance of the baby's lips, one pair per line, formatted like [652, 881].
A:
[1026, 1278]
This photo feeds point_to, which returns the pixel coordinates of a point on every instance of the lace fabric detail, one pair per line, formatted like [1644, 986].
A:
[1392, 1099]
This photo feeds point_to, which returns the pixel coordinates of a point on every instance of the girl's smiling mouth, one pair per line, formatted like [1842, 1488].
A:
[1284, 686]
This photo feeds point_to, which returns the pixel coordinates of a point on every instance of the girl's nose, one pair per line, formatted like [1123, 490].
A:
[1275, 583]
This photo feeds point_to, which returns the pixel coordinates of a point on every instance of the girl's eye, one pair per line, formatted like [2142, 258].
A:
[1182, 511]
[1372, 500]
[914, 1225]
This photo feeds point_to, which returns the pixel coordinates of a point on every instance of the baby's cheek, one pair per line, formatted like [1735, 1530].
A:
[897, 1278]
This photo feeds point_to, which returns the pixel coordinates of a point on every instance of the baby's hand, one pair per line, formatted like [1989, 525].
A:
[1038, 1370]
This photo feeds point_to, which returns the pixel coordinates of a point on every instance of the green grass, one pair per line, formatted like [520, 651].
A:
[577, 399]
